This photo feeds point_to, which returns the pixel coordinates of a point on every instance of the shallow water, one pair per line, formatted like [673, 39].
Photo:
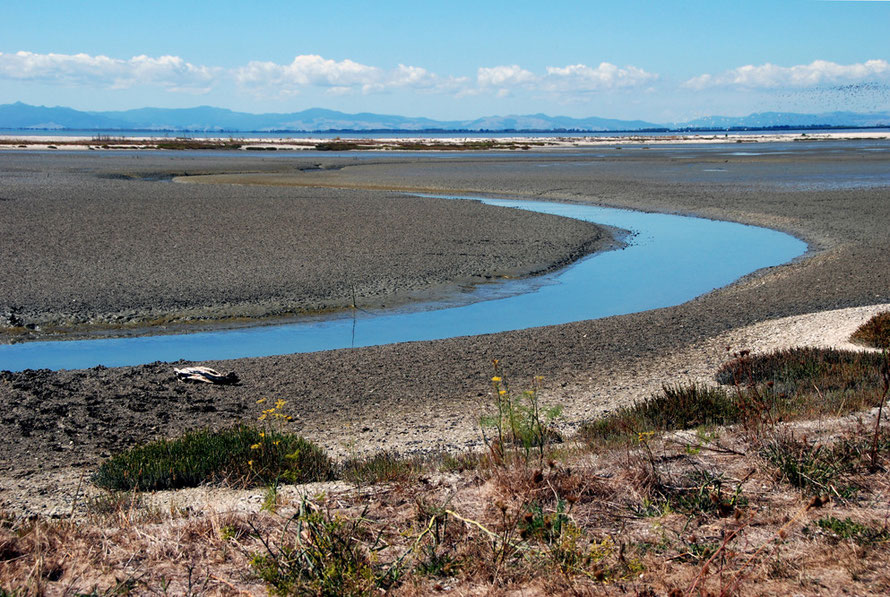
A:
[669, 260]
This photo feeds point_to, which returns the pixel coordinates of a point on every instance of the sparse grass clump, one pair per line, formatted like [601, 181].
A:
[875, 332]
[520, 423]
[847, 529]
[242, 455]
[676, 407]
[833, 469]
[324, 554]
[815, 470]
[381, 467]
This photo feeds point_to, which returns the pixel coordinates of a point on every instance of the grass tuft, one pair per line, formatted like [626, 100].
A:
[676, 407]
[381, 467]
[324, 555]
[847, 529]
[241, 455]
[816, 469]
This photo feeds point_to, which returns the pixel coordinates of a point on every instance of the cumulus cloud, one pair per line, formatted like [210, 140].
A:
[504, 76]
[574, 78]
[171, 72]
[305, 71]
[818, 72]
[311, 71]
[580, 77]
[345, 76]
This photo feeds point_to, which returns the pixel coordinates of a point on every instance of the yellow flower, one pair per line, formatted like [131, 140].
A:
[250, 463]
[262, 434]
[502, 392]
[276, 442]
[495, 378]
[644, 436]
[261, 400]
[255, 447]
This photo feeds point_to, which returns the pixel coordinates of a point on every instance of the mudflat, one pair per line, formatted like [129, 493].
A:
[427, 395]
[110, 243]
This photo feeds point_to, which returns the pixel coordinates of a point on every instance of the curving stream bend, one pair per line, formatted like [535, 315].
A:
[669, 260]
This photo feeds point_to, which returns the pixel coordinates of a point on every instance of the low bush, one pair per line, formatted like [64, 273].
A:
[875, 332]
[799, 369]
[676, 407]
[781, 385]
[242, 455]
[337, 146]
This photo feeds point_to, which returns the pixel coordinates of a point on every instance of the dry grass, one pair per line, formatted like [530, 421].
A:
[771, 507]
[687, 513]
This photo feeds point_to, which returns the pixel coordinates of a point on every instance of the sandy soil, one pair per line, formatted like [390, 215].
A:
[428, 395]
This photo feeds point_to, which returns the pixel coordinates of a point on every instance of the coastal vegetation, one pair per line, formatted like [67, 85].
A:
[774, 481]
[875, 332]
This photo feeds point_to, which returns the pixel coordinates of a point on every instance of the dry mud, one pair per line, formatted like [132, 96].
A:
[428, 395]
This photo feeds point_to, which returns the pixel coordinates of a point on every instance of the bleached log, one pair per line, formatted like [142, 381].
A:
[205, 375]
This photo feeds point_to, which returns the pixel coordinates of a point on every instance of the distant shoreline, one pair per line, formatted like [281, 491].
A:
[479, 142]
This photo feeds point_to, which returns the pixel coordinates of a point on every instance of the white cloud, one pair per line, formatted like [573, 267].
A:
[504, 76]
[171, 72]
[311, 71]
[574, 79]
[802, 75]
[339, 78]
[307, 70]
[583, 78]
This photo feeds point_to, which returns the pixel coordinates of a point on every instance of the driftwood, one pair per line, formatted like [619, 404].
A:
[205, 375]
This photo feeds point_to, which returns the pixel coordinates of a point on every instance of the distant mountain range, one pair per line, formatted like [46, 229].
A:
[208, 119]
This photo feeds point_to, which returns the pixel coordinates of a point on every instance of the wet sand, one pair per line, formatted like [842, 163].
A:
[428, 395]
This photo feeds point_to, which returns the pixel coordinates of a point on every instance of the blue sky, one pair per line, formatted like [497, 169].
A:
[661, 61]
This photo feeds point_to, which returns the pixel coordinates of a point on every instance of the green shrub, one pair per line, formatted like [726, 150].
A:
[242, 455]
[875, 332]
[803, 382]
[675, 407]
[799, 369]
